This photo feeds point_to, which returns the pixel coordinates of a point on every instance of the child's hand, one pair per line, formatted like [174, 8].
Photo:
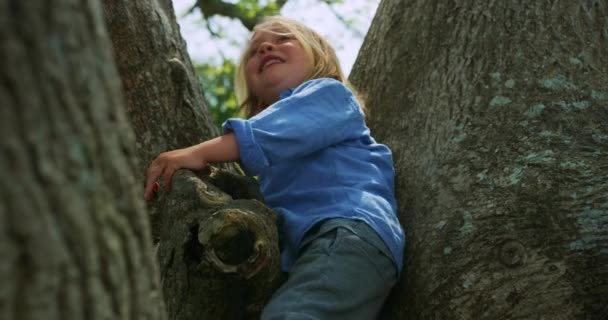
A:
[221, 149]
[167, 163]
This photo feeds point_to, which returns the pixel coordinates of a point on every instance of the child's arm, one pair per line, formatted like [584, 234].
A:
[221, 149]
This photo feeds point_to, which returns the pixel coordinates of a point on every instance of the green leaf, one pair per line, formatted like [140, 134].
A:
[218, 84]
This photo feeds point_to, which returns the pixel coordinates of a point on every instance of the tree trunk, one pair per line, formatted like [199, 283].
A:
[497, 116]
[74, 235]
[164, 98]
[218, 256]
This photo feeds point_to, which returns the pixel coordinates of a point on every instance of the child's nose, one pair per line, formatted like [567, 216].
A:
[266, 46]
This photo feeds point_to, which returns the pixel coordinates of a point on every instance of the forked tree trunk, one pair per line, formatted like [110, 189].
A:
[218, 257]
[497, 113]
[74, 235]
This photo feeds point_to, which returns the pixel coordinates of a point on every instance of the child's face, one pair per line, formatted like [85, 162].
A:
[275, 62]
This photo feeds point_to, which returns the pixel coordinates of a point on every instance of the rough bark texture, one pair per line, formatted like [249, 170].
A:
[74, 235]
[164, 98]
[165, 101]
[203, 275]
[219, 258]
[497, 113]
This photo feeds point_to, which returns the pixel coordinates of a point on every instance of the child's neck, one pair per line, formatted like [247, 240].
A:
[271, 96]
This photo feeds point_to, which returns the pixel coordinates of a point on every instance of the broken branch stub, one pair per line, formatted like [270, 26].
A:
[219, 257]
[236, 241]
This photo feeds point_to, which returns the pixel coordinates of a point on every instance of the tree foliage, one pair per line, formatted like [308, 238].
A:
[219, 83]
[248, 12]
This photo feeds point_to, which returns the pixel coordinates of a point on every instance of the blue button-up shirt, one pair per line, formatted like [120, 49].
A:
[315, 159]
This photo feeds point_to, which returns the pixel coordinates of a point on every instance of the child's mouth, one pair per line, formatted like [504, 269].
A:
[266, 62]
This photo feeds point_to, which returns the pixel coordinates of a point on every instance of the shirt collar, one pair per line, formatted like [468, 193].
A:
[285, 93]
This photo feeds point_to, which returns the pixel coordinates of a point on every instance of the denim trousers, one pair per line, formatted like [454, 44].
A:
[344, 271]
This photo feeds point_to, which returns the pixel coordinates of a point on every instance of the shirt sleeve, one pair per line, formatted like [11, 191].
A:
[318, 114]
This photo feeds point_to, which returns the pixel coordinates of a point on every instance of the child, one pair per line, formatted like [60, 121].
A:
[318, 167]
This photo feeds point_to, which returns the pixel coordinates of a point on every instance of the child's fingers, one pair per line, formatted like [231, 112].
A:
[149, 185]
[152, 175]
[167, 174]
[149, 193]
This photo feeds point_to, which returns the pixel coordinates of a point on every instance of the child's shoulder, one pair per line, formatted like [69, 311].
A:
[321, 82]
[328, 85]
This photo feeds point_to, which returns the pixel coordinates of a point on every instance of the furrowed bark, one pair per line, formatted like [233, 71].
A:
[74, 235]
[165, 101]
[497, 113]
[224, 272]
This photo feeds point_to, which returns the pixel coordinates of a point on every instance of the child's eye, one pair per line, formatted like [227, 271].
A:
[284, 38]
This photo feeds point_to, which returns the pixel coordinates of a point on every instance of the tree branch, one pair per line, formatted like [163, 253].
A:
[218, 7]
[211, 8]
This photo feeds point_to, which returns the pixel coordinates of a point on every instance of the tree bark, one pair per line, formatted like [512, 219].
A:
[165, 101]
[217, 244]
[219, 257]
[497, 116]
[74, 235]
[164, 98]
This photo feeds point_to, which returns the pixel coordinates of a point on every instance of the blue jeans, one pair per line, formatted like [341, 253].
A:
[344, 271]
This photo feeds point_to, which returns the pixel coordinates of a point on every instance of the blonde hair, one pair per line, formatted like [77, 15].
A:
[324, 59]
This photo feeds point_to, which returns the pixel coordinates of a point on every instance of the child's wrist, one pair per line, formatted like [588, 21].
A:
[199, 152]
